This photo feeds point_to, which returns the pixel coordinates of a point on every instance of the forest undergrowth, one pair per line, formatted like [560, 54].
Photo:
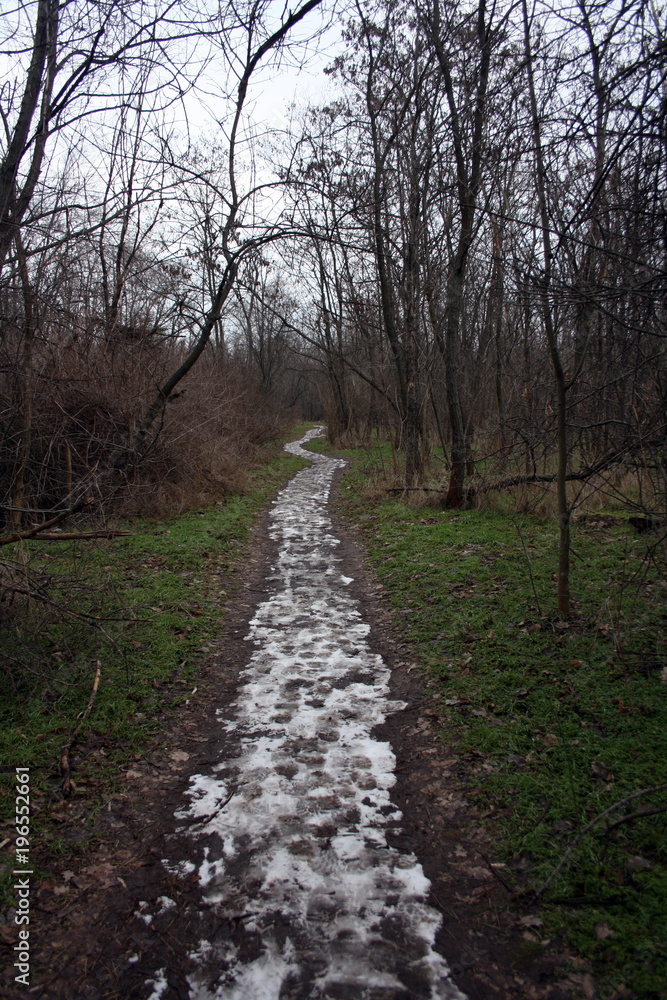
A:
[562, 724]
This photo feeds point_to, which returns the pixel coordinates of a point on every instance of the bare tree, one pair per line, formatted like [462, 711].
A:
[257, 44]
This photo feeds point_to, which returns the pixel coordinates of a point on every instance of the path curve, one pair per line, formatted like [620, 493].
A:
[323, 906]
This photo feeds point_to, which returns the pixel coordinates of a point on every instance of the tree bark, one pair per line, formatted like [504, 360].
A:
[20, 476]
[468, 178]
[552, 341]
[39, 80]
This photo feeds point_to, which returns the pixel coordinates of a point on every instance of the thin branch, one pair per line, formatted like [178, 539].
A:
[617, 805]
[67, 536]
[65, 770]
[635, 815]
[19, 536]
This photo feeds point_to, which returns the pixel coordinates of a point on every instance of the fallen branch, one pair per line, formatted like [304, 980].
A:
[219, 806]
[572, 477]
[589, 900]
[66, 536]
[617, 805]
[635, 815]
[65, 770]
[18, 536]
[496, 874]
[506, 484]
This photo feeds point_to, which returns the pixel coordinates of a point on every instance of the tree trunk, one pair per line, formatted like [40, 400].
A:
[563, 509]
[413, 436]
[39, 81]
[468, 178]
[455, 496]
[19, 487]
[552, 341]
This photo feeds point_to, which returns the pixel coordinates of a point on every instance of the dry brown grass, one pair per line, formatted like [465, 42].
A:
[87, 401]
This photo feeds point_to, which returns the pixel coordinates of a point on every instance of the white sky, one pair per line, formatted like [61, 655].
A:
[300, 80]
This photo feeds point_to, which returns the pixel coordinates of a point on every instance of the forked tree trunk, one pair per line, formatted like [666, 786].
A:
[469, 172]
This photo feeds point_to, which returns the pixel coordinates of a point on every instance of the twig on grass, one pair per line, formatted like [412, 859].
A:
[635, 815]
[530, 571]
[65, 770]
[596, 819]
[489, 864]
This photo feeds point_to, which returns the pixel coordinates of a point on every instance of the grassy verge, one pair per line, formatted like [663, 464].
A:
[558, 722]
[148, 607]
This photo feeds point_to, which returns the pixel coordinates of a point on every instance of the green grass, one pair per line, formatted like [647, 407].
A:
[158, 595]
[557, 721]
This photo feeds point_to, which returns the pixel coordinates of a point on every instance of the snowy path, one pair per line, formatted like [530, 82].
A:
[327, 909]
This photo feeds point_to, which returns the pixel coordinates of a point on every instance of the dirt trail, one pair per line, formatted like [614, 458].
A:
[256, 851]
[296, 822]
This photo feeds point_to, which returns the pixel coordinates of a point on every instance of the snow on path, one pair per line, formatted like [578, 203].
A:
[329, 909]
